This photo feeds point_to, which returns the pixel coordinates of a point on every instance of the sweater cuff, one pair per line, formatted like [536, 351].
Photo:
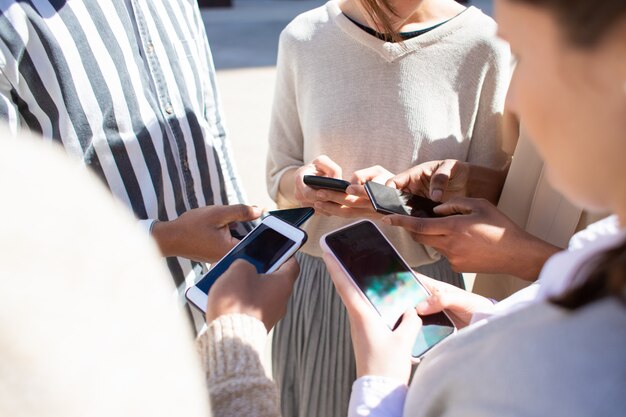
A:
[377, 396]
[236, 342]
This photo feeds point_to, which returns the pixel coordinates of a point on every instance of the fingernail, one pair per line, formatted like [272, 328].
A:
[422, 306]
[436, 194]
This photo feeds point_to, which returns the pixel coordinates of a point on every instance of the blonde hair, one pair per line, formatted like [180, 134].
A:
[380, 13]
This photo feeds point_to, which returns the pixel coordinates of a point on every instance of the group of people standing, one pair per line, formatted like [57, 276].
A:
[421, 95]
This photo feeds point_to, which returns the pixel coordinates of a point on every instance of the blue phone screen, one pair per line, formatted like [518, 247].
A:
[262, 247]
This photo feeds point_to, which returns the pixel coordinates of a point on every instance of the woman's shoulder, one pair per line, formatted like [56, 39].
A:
[307, 25]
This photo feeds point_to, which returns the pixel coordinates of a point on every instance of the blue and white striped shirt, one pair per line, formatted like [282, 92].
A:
[127, 87]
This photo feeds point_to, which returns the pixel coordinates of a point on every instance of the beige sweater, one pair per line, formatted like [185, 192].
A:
[86, 329]
[364, 102]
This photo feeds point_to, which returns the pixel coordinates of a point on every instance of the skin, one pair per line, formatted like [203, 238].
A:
[202, 234]
[573, 102]
[241, 290]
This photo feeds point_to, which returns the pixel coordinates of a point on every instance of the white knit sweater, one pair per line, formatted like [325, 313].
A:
[364, 102]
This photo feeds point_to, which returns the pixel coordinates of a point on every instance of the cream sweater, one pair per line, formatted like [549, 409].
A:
[364, 102]
[88, 330]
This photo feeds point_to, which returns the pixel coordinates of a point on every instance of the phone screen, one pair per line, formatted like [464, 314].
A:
[295, 216]
[390, 200]
[262, 247]
[386, 281]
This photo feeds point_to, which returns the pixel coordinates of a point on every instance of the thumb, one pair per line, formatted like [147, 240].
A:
[235, 213]
[440, 179]
[410, 325]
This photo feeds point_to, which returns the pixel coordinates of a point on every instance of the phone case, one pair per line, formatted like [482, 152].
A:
[327, 250]
[327, 183]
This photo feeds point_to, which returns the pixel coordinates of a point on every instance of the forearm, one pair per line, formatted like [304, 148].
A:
[532, 254]
[377, 396]
[486, 182]
[166, 236]
[231, 355]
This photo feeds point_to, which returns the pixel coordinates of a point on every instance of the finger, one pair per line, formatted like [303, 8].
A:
[280, 283]
[343, 199]
[440, 301]
[235, 213]
[333, 209]
[352, 298]
[459, 205]
[420, 225]
[369, 174]
[409, 326]
[357, 191]
[440, 179]
[414, 179]
[327, 166]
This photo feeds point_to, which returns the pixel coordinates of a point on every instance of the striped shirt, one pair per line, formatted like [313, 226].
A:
[127, 87]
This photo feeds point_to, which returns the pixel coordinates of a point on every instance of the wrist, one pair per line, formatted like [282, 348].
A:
[164, 233]
[538, 252]
[485, 183]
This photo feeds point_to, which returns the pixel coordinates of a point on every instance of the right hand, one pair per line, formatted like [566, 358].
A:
[460, 305]
[477, 237]
[202, 234]
[242, 290]
[437, 180]
[322, 166]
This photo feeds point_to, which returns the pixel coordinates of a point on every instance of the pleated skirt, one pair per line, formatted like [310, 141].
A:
[312, 357]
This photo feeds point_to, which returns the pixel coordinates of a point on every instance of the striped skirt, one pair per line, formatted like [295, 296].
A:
[312, 357]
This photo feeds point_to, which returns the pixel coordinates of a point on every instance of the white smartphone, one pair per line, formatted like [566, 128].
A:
[385, 280]
[267, 247]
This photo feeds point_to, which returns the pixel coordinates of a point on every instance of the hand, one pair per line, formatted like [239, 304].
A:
[460, 305]
[202, 234]
[476, 237]
[242, 290]
[437, 180]
[355, 202]
[378, 350]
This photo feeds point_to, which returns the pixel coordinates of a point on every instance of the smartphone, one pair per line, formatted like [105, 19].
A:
[388, 200]
[385, 280]
[267, 247]
[294, 216]
[326, 183]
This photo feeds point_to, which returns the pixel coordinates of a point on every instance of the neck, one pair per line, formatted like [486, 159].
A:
[411, 15]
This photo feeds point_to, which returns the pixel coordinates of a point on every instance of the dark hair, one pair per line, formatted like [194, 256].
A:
[607, 279]
[584, 22]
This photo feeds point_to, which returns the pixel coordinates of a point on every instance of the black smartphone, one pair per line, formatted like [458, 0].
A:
[385, 279]
[326, 183]
[294, 216]
[388, 200]
[266, 247]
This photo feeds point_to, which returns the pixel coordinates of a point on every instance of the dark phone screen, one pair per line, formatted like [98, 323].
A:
[386, 281]
[262, 248]
[295, 217]
[395, 201]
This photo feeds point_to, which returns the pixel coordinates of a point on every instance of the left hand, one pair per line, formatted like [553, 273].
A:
[243, 290]
[354, 203]
[378, 350]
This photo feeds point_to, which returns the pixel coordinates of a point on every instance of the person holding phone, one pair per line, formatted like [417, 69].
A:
[85, 329]
[362, 83]
[564, 353]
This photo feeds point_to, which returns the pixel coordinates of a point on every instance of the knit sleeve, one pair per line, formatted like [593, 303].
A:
[486, 147]
[285, 137]
[231, 351]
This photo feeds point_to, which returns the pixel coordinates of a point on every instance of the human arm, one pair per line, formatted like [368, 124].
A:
[382, 375]
[202, 234]
[242, 307]
[476, 237]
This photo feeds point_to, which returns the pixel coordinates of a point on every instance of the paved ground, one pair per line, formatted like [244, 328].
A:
[244, 41]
